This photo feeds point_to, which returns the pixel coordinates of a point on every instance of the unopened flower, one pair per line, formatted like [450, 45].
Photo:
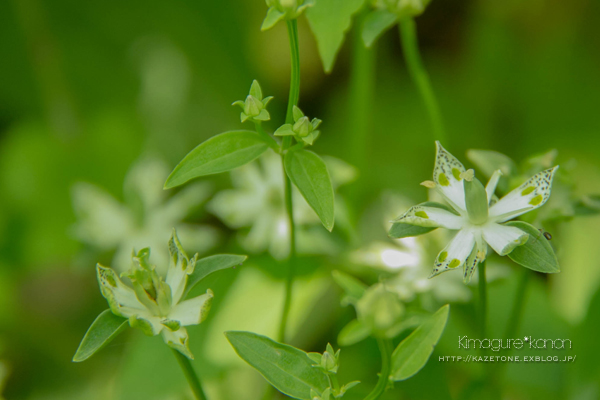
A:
[284, 9]
[155, 304]
[475, 213]
[404, 8]
[254, 108]
[303, 128]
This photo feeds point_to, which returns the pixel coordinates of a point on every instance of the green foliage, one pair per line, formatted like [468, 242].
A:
[287, 368]
[102, 331]
[218, 154]
[412, 353]
[375, 24]
[329, 21]
[208, 265]
[309, 173]
[537, 253]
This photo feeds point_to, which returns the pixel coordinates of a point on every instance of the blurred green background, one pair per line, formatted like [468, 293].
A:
[90, 90]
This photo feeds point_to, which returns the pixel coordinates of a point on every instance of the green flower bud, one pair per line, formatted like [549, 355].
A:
[303, 127]
[284, 9]
[379, 309]
[254, 107]
[406, 8]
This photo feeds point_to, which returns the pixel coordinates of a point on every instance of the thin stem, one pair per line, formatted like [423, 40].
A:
[385, 347]
[190, 375]
[517, 309]
[287, 141]
[268, 138]
[410, 47]
[482, 301]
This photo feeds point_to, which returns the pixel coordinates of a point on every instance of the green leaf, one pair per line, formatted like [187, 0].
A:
[536, 254]
[353, 332]
[287, 368]
[488, 161]
[587, 205]
[401, 230]
[375, 24]
[220, 153]
[309, 173]
[273, 17]
[208, 265]
[413, 352]
[329, 21]
[353, 288]
[104, 329]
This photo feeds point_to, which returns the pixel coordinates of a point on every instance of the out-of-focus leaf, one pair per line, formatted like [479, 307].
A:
[488, 161]
[587, 205]
[375, 24]
[287, 368]
[220, 153]
[413, 352]
[329, 21]
[309, 173]
[208, 265]
[536, 254]
[104, 329]
[353, 332]
[353, 288]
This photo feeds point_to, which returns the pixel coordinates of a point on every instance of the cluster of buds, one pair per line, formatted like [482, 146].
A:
[303, 129]
[329, 363]
[284, 9]
[404, 8]
[254, 108]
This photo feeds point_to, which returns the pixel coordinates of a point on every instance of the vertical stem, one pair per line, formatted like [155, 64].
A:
[190, 375]
[517, 309]
[482, 301]
[385, 347]
[287, 141]
[410, 47]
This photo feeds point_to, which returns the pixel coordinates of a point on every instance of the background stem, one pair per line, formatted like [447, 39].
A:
[190, 375]
[410, 47]
[385, 347]
[482, 301]
[287, 141]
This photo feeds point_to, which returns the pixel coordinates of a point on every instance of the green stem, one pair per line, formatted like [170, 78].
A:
[517, 309]
[268, 138]
[190, 375]
[287, 141]
[410, 47]
[385, 347]
[482, 301]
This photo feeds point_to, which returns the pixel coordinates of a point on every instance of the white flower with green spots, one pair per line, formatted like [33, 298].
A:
[153, 304]
[475, 213]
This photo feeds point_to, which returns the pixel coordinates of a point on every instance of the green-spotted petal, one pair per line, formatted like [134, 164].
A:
[455, 254]
[446, 175]
[431, 217]
[478, 254]
[503, 239]
[529, 196]
[121, 298]
[192, 311]
[180, 266]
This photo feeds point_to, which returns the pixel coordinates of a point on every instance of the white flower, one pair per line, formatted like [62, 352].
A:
[157, 305]
[475, 213]
[145, 220]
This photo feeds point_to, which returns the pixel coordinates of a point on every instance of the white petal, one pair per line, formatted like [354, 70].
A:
[446, 174]
[478, 255]
[529, 196]
[503, 239]
[178, 340]
[120, 298]
[180, 266]
[192, 311]
[432, 217]
[490, 188]
[455, 254]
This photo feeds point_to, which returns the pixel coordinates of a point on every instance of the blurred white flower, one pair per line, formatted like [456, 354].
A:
[257, 202]
[146, 219]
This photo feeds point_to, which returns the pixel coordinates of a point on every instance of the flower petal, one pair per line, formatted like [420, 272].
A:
[490, 188]
[455, 254]
[180, 266]
[178, 340]
[431, 217]
[446, 174]
[192, 311]
[121, 298]
[478, 254]
[529, 196]
[503, 239]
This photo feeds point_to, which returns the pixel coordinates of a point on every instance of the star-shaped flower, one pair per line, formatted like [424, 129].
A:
[157, 305]
[474, 212]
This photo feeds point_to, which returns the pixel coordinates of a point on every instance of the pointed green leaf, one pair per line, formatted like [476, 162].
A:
[220, 153]
[587, 205]
[375, 24]
[273, 17]
[353, 288]
[329, 21]
[353, 332]
[413, 352]
[401, 230]
[104, 329]
[488, 161]
[287, 368]
[208, 265]
[309, 173]
[537, 253]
